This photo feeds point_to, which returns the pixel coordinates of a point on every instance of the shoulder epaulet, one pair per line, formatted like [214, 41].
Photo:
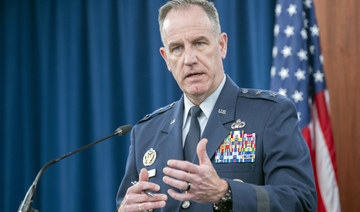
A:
[262, 94]
[157, 112]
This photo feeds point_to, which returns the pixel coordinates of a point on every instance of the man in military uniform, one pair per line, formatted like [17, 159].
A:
[251, 155]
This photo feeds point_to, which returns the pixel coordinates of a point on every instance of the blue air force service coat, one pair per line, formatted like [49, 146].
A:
[253, 142]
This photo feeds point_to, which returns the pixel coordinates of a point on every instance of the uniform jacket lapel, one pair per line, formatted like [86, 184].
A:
[223, 113]
[170, 143]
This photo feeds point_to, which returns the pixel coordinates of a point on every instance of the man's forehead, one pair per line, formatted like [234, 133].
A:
[183, 16]
[186, 23]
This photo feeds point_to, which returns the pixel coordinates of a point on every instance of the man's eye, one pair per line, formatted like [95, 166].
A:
[176, 49]
[199, 43]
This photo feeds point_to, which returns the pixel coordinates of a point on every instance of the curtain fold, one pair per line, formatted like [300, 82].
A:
[72, 71]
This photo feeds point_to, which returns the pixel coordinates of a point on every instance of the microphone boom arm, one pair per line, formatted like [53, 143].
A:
[26, 204]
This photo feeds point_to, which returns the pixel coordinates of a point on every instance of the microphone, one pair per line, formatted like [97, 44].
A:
[26, 204]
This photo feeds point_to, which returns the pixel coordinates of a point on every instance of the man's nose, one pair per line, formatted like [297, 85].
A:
[190, 57]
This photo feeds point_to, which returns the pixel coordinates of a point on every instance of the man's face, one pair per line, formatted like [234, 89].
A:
[193, 52]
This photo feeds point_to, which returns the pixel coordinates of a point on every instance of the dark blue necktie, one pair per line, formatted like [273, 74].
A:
[193, 136]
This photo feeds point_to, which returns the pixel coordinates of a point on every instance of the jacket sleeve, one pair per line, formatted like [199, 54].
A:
[288, 174]
[131, 172]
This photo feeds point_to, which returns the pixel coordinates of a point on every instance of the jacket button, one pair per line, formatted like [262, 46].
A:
[186, 204]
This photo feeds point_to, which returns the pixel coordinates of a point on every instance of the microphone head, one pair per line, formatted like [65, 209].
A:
[122, 130]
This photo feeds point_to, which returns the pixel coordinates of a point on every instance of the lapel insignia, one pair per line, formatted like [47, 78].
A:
[173, 121]
[237, 147]
[222, 111]
[149, 157]
[238, 124]
[258, 92]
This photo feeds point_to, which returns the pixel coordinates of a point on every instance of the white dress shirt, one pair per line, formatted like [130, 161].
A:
[206, 106]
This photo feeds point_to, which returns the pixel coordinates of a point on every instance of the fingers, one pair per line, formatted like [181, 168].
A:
[136, 200]
[140, 198]
[184, 166]
[201, 152]
[144, 206]
[180, 196]
[143, 202]
[144, 175]
[205, 182]
[190, 167]
[139, 187]
[179, 184]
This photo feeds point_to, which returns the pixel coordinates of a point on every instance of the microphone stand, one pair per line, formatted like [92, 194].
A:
[26, 204]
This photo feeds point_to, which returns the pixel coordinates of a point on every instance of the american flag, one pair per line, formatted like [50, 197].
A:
[297, 73]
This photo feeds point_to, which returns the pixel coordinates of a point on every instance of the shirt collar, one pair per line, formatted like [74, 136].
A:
[207, 105]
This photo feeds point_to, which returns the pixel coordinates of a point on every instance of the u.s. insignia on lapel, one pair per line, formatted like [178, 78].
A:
[237, 147]
[149, 157]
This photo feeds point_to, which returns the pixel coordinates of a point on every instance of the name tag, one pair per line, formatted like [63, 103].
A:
[152, 173]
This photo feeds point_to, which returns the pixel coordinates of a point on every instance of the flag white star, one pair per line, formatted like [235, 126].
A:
[299, 116]
[291, 9]
[284, 73]
[297, 96]
[321, 58]
[278, 9]
[273, 71]
[276, 30]
[286, 51]
[300, 74]
[314, 30]
[289, 31]
[282, 91]
[303, 34]
[318, 76]
[274, 51]
[302, 54]
[307, 3]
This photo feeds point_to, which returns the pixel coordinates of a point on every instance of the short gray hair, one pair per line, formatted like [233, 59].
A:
[208, 7]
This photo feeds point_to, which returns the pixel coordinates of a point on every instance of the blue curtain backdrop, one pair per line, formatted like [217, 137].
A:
[72, 71]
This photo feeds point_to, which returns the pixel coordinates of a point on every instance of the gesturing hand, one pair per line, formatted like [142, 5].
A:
[135, 198]
[205, 184]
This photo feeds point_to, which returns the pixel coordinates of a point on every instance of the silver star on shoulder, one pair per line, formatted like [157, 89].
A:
[273, 94]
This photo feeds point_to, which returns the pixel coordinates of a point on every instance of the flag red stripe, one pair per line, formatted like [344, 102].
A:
[320, 203]
[325, 124]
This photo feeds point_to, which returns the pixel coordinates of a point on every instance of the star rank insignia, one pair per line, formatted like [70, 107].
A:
[273, 94]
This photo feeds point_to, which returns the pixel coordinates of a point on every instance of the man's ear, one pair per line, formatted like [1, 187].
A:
[223, 45]
[164, 56]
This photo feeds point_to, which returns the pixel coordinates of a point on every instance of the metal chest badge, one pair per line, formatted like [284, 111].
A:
[149, 157]
[238, 124]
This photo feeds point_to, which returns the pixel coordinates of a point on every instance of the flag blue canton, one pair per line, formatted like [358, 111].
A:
[297, 70]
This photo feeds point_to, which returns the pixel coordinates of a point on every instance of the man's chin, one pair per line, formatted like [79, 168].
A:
[196, 94]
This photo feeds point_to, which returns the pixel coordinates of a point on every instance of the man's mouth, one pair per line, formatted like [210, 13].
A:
[193, 75]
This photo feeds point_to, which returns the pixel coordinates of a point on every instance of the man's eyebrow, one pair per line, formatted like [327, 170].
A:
[200, 38]
[172, 44]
